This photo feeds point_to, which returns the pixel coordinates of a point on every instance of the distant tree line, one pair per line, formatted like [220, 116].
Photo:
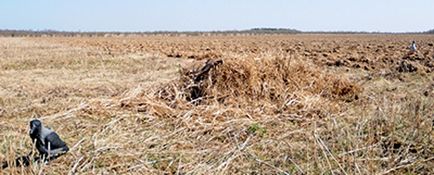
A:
[273, 30]
[51, 33]
[253, 31]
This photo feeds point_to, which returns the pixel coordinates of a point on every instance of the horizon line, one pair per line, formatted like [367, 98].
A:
[263, 29]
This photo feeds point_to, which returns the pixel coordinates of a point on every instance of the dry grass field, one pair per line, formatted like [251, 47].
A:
[289, 104]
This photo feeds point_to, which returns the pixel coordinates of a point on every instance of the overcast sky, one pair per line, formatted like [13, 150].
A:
[204, 15]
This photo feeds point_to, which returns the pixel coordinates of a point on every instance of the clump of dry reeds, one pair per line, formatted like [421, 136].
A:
[249, 81]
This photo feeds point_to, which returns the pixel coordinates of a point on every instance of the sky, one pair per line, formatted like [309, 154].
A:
[210, 15]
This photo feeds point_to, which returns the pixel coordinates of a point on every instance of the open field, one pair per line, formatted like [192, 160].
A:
[289, 104]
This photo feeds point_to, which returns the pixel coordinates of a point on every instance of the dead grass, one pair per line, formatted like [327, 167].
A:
[266, 113]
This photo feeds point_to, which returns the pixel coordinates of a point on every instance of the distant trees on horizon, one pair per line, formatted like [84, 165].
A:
[253, 31]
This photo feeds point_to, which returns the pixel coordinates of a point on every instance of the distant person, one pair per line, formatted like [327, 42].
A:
[413, 48]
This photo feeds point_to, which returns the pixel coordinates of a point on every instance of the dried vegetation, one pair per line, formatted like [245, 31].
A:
[262, 104]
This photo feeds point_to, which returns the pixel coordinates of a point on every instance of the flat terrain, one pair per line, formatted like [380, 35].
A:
[287, 104]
